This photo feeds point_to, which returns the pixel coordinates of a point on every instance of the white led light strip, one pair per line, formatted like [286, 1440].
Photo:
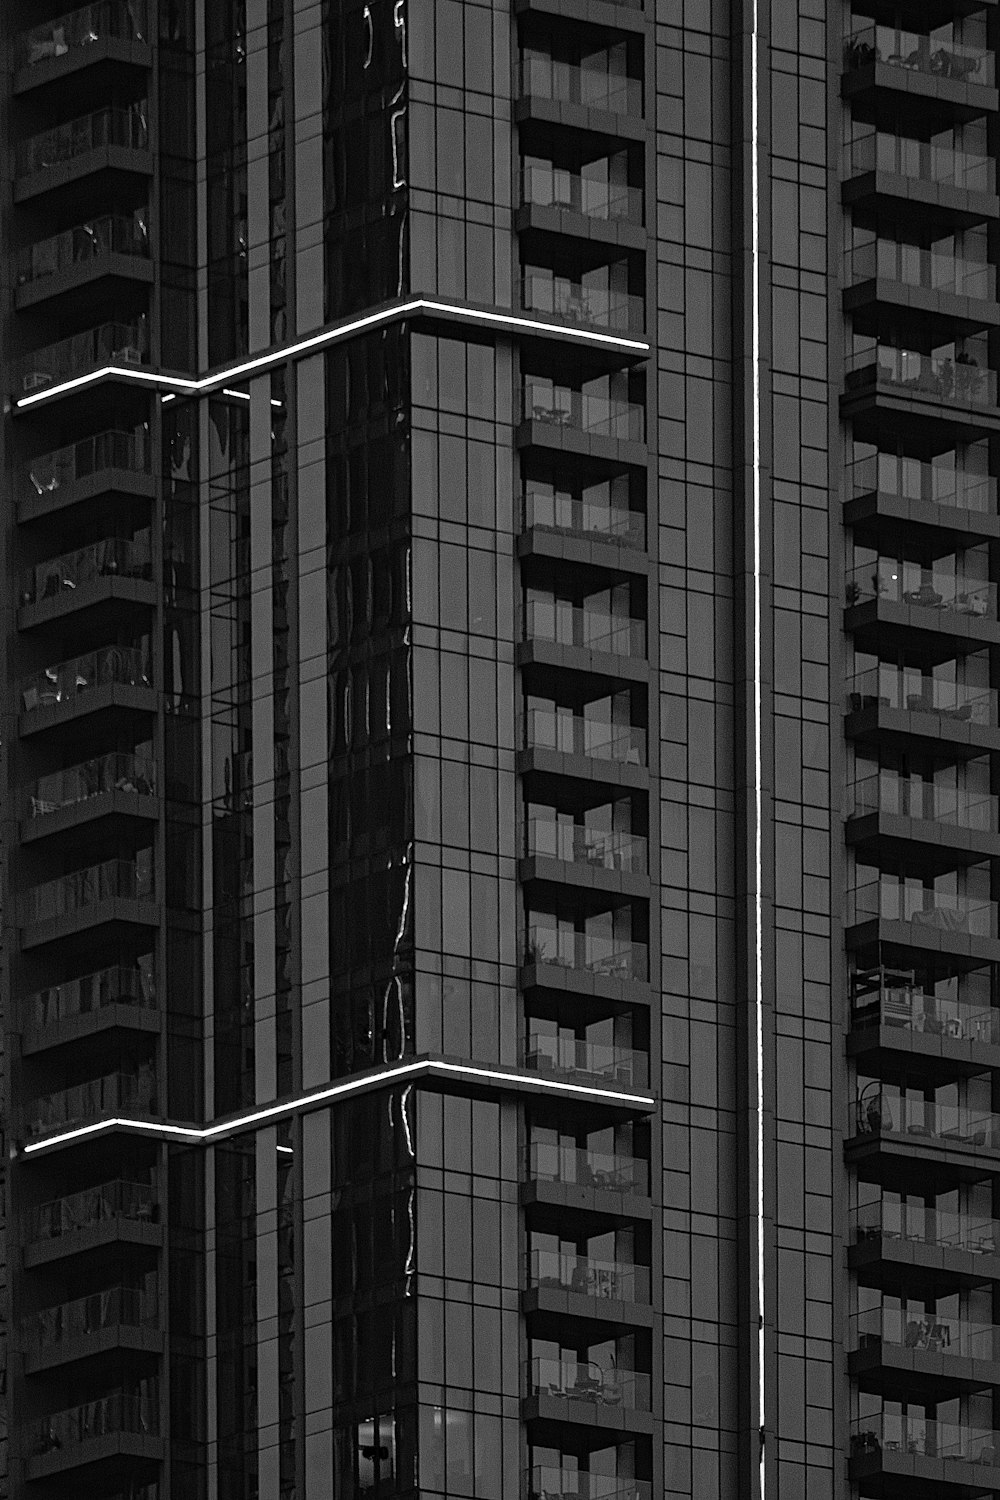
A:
[429, 1069]
[416, 306]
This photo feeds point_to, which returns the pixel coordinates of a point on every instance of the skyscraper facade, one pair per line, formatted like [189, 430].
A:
[499, 750]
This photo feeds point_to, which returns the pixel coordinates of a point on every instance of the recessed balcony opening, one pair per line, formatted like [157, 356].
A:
[570, 715]
[584, 932]
[953, 688]
[927, 892]
[581, 825]
[581, 64]
[922, 787]
[125, 556]
[922, 572]
[82, 28]
[590, 179]
[921, 257]
[62, 1220]
[614, 1158]
[578, 1466]
[55, 475]
[960, 1219]
[133, 1409]
[591, 290]
[120, 344]
[940, 155]
[574, 501]
[577, 613]
[954, 371]
[910, 1108]
[130, 982]
[933, 997]
[605, 1265]
[122, 125]
[609, 404]
[65, 684]
[956, 49]
[121, 1307]
[590, 1375]
[568, 1037]
[105, 1097]
[925, 472]
[957, 1326]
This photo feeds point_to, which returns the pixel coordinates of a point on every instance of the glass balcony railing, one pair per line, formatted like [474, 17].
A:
[546, 1482]
[947, 591]
[115, 879]
[891, 687]
[124, 127]
[114, 234]
[916, 266]
[133, 1201]
[958, 381]
[609, 1171]
[49, 472]
[597, 415]
[112, 1307]
[116, 20]
[589, 1382]
[903, 797]
[111, 344]
[879, 1112]
[924, 1438]
[125, 666]
[104, 1417]
[577, 844]
[907, 1006]
[595, 197]
[596, 519]
[938, 910]
[595, 85]
[118, 984]
[926, 1226]
[571, 1057]
[593, 308]
[92, 778]
[615, 1280]
[908, 479]
[571, 734]
[922, 161]
[899, 1329]
[94, 1100]
[614, 958]
[113, 557]
[917, 53]
[565, 624]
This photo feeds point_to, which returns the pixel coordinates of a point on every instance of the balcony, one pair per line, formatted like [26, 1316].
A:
[889, 795]
[911, 692]
[112, 245]
[922, 908]
[893, 1328]
[588, 1385]
[121, 995]
[75, 38]
[586, 953]
[941, 495]
[567, 301]
[888, 596]
[118, 782]
[96, 1099]
[572, 734]
[571, 1057]
[936, 164]
[950, 389]
[108, 461]
[112, 1211]
[578, 1166]
[880, 1113]
[114, 568]
[897, 1001]
[589, 194]
[116, 138]
[118, 890]
[74, 1436]
[576, 843]
[67, 685]
[545, 1482]
[914, 53]
[584, 628]
[584, 1276]
[599, 520]
[601, 82]
[922, 269]
[593, 413]
[122, 1314]
[893, 1223]
[111, 345]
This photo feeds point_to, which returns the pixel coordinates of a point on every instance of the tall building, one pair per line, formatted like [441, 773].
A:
[500, 750]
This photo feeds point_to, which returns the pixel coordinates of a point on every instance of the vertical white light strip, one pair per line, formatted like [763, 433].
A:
[757, 731]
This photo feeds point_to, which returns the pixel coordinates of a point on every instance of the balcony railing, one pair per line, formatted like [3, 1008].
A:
[111, 344]
[596, 85]
[113, 234]
[877, 1112]
[547, 186]
[545, 1482]
[115, 985]
[926, 1226]
[116, 20]
[916, 53]
[593, 308]
[587, 1382]
[124, 666]
[907, 1006]
[105, 1417]
[922, 161]
[597, 415]
[959, 381]
[894, 1328]
[908, 479]
[564, 624]
[938, 910]
[92, 778]
[618, 1281]
[924, 1438]
[890, 687]
[571, 1057]
[133, 1201]
[577, 844]
[917, 266]
[947, 591]
[128, 451]
[114, 557]
[113, 1306]
[114, 879]
[597, 519]
[923, 800]
[124, 127]
[94, 1100]
[571, 734]
[614, 958]
[608, 1171]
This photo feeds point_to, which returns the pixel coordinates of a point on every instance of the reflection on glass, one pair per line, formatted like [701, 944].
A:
[942, 587]
[900, 900]
[119, 1199]
[59, 684]
[589, 1277]
[927, 1226]
[112, 1307]
[939, 483]
[114, 880]
[106, 127]
[884, 1112]
[938, 55]
[94, 1099]
[128, 451]
[117, 20]
[889, 686]
[902, 1328]
[120, 984]
[588, 1381]
[112, 344]
[925, 1438]
[94, 1419]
